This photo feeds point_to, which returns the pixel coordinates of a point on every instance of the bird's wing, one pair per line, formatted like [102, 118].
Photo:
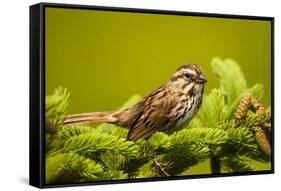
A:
[156, 107]
[128, 117]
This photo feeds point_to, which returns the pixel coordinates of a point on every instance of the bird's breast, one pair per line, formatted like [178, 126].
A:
[186, 113]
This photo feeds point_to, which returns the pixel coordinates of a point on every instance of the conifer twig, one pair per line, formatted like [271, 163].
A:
[159, 168]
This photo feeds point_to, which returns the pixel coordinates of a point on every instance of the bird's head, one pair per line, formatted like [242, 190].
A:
[190, 73]
[189, 77]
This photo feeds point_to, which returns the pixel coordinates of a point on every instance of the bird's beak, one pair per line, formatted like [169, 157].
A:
[201, 79]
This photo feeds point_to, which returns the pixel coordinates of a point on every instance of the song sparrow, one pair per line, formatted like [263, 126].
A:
[168, 108]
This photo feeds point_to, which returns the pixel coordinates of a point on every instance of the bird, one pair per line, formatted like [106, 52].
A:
[168, 108]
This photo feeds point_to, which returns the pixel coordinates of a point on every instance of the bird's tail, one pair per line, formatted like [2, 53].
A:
[89, 118]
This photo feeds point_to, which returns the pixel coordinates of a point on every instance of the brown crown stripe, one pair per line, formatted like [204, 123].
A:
[192, 67]
[196, 69]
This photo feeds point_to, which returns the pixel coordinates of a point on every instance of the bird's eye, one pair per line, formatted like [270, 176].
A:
[187, 75]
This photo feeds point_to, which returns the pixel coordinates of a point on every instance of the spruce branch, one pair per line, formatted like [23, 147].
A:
[200, 136]
[88, 143]
[56, 108]
[190, 146]
[113, 162]
[70, 167]
[213, 111]
[241, 141]
[67, 132]
[227, 70]
[236, 163]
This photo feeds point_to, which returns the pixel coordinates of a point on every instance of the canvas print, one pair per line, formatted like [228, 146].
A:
[133, 95]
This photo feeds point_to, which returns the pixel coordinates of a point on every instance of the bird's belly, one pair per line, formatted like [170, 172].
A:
[183, 121]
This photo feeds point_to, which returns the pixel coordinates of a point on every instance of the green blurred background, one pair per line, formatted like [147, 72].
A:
[104, 57]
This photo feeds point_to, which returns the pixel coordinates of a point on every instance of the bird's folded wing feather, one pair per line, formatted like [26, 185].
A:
[155, 115]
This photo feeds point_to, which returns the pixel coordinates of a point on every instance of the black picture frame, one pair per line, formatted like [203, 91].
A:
[37, 92]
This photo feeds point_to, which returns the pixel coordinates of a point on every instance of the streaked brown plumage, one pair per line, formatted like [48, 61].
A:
[168, 108]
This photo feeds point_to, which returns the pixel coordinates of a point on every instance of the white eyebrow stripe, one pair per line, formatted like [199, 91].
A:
[192, 72]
